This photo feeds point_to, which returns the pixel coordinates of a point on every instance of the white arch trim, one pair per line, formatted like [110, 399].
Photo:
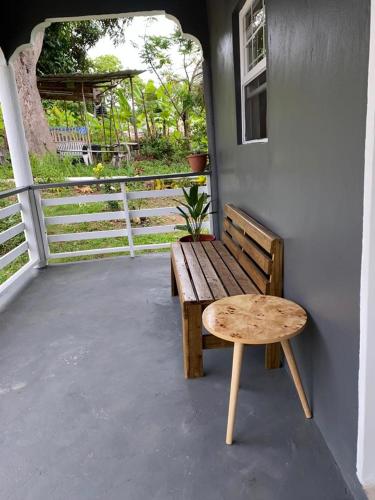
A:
[366, 379]
[42, 26]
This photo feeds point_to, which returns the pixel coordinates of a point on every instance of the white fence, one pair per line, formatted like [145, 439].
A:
[31, 200]
[14, 229]
[126, 215]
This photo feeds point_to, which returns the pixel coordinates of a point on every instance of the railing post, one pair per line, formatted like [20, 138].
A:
[18, 153]
[40, 227]
[127, 218]
[210, 216]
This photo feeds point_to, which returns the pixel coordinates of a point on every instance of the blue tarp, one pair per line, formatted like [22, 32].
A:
[80, 130]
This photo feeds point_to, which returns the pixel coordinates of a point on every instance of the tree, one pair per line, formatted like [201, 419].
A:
[66, 45]
[182, 90]
[35, 124]
[105, 64]
[64, 51]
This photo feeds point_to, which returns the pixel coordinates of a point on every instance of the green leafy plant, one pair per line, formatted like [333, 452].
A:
[113, 205]
[98, 170]
[194, 211]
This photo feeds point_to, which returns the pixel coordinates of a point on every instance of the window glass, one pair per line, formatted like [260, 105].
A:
[254, 33]
[253, 70]
[256, 108]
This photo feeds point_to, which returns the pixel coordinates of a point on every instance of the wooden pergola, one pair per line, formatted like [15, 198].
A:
[82, 86]
[87, 87]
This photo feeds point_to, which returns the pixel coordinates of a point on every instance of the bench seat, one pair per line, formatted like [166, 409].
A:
[248, 259]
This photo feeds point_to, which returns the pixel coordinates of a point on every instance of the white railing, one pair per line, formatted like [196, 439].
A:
[13, 229]
[126, 215]
[31, 204]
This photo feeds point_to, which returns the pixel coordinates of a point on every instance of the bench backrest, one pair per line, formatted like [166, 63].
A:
[60, 136]
[256, 249]
[70, 148]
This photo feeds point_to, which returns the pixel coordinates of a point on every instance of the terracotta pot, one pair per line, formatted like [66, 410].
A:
[198, 162]
[202, 237]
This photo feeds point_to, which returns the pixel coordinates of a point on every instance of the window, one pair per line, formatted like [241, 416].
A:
[252, 30]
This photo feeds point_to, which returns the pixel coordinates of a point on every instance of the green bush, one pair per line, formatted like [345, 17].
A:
[159, 148]
[171, 148]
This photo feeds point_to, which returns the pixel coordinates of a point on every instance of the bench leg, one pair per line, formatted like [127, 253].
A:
[174, 289]
[273, 356]
[192, 340]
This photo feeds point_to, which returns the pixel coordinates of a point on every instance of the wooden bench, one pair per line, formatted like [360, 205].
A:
[248, 259]
[72, 143]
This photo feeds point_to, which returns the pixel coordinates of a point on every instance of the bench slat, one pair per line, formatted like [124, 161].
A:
[254, 229]
[213, 280]
[253, 251]
[199, 280]
[229, 282]
[259, 279]
[241, 277]
[184, 285]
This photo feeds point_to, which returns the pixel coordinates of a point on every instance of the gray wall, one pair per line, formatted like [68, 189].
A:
[307, 183]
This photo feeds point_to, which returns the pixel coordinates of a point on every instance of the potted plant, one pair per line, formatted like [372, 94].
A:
[197, 160]
[194, 211]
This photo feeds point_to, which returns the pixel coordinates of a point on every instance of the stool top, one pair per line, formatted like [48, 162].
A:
[254, 319]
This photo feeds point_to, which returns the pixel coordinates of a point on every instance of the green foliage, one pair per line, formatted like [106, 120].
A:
[165, 148]
[194, 211]
[52, 168]
[173, 108]
[184, 94]
[105, 64]
[113, 205]
[13, 242]
[159, 148]
[65, 45]
[98, 170]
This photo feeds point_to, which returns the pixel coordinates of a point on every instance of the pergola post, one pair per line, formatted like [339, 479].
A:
[133, 112]
[19, 156]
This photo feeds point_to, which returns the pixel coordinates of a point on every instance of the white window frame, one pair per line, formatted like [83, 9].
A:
[248, 76]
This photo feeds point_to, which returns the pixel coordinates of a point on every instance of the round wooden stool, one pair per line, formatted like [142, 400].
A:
[256, 319]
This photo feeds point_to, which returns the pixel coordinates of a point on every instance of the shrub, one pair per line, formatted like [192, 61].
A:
[159, 148]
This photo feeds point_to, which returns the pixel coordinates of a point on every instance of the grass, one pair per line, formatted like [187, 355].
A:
[54, 169]
[146, 239]
[51, 168]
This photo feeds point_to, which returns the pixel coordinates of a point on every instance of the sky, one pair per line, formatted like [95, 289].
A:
[128, 54]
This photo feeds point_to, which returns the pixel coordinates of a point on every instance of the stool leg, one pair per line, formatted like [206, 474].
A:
[234, 386]
[295, 375]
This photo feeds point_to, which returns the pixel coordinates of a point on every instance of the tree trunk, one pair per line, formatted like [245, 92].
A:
[37, 132]
[146, 114]
[185, 123]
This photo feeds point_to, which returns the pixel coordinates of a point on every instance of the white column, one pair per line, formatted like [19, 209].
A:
[18, 152]
[366, 392]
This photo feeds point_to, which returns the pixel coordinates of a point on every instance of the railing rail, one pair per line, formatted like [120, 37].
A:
[13, 192]
[48, 240]
[112, 180]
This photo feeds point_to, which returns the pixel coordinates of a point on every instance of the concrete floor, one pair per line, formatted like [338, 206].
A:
[93, 403]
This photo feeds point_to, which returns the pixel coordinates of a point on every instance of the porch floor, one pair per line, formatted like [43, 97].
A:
[94, 404]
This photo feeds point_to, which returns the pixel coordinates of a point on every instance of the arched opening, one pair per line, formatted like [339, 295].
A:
[147, 233]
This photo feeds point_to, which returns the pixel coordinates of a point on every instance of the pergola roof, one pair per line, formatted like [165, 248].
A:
[80, 86]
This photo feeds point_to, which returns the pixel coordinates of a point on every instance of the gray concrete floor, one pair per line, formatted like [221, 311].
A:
[93, 403]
